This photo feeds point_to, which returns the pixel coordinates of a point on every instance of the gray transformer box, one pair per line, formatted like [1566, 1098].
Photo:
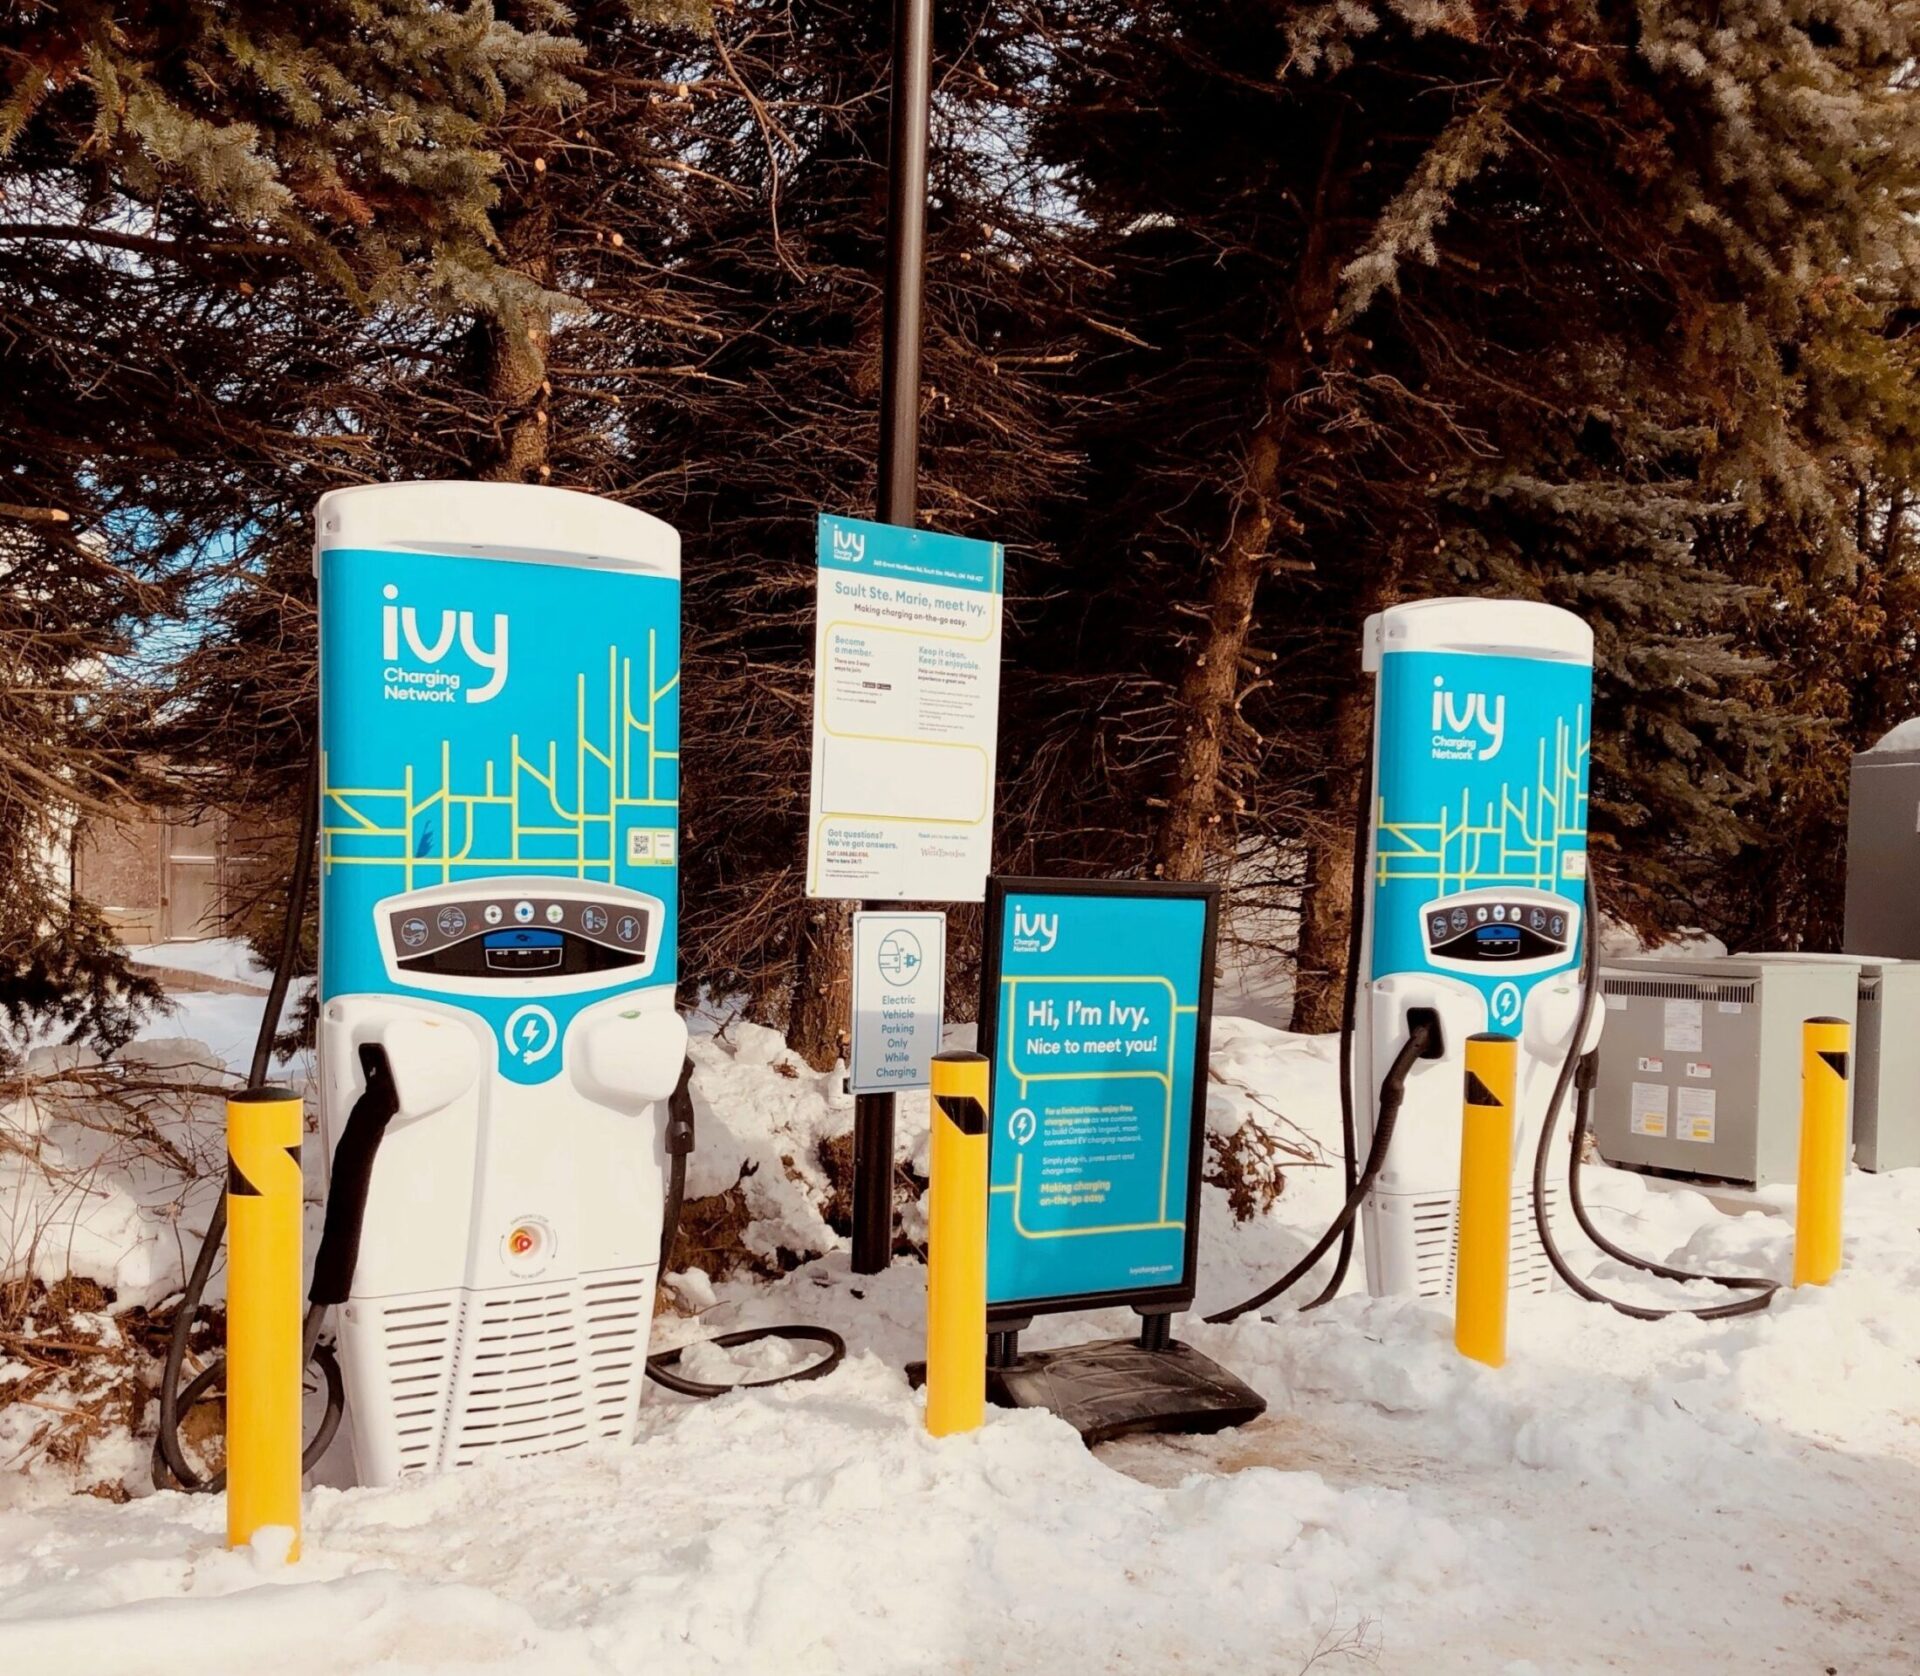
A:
[1700, 1061]
[1883, 852]
[1886, 1075]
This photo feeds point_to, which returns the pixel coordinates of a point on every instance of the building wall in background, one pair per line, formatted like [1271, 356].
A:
[164, 876]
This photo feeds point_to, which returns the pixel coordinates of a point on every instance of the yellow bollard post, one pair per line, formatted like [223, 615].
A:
[1824, 1044]
[957, 1245]
[264, 1207]
[1486, 1200]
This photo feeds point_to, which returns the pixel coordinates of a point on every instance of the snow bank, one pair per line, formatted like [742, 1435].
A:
[761, 1116]
[1729, 1497]
[813, 1530]
[1905, 736]
[229, 958]
[106, 1170]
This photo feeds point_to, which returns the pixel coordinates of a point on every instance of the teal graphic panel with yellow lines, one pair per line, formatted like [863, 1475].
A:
[1094, 1049]
[1482, 785]
[489, 718]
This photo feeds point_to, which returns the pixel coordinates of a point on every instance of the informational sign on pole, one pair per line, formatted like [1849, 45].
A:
[899, 995]
[1095, 1010]
[906, 709]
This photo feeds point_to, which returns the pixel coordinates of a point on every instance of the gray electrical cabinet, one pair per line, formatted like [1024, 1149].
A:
[1700, 1061]
[1883, 929]
[1883, 848]
[1886, 1072]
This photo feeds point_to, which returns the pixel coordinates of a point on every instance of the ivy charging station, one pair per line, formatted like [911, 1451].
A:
[499, 789]
[1095, 1016]
[1475, 904]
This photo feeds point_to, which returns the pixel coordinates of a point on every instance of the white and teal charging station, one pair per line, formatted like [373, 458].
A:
[1474, 900]
[499, 784]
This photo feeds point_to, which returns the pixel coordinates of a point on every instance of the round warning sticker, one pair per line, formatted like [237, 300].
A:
[527, 1247]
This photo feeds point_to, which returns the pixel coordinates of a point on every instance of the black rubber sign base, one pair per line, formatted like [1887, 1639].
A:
[1117, 1387]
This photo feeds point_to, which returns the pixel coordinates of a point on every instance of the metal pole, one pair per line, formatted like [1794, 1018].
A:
[872, 1182]
[899, 490]
[899, 498]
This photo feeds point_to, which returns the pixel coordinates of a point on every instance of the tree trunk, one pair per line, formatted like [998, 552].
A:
[1320, 957]
[517, 390]
[822, 1006]
[1209, 691]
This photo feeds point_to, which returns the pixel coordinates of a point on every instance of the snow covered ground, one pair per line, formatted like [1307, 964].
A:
[211, 957]
[1621, 1497]
[226, 1022]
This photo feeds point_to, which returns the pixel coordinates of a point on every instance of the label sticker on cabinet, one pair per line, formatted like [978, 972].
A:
[1695, 1115]
[1656, 1066]
[1649, 1113]
[1699, 1068]
[1684, 1027]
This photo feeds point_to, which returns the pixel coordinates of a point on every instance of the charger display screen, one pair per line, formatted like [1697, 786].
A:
[523, 940]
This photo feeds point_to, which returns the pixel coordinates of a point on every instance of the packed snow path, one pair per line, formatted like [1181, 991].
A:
[1621, 1497]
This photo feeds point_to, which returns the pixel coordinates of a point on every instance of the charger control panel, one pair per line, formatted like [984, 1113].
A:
[1528, 929]
[565, 933]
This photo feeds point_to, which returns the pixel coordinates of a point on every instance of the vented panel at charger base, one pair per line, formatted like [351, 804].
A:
[1529, 1267]
[1436, 1236]
[527, 1370]
[417, 1340]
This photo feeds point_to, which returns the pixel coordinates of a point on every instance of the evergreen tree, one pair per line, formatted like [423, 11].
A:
[1528, 301]
[711, 210]
[348, 136]
[194, 204]
[513, 383]
[781, 269]
[64, 609]
[1245, 318]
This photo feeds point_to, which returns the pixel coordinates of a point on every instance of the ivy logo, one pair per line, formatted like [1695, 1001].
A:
[1034, 933]
[1470, 728]
[849, 546]
[402, 622]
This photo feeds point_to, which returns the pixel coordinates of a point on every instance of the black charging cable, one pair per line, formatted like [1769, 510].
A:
[170, 1464]
[1423, 1042]
[1584, 1067]
[663, 1368]
[1349, 1019]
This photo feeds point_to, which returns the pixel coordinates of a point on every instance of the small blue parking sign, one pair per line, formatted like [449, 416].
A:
[899, 991]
